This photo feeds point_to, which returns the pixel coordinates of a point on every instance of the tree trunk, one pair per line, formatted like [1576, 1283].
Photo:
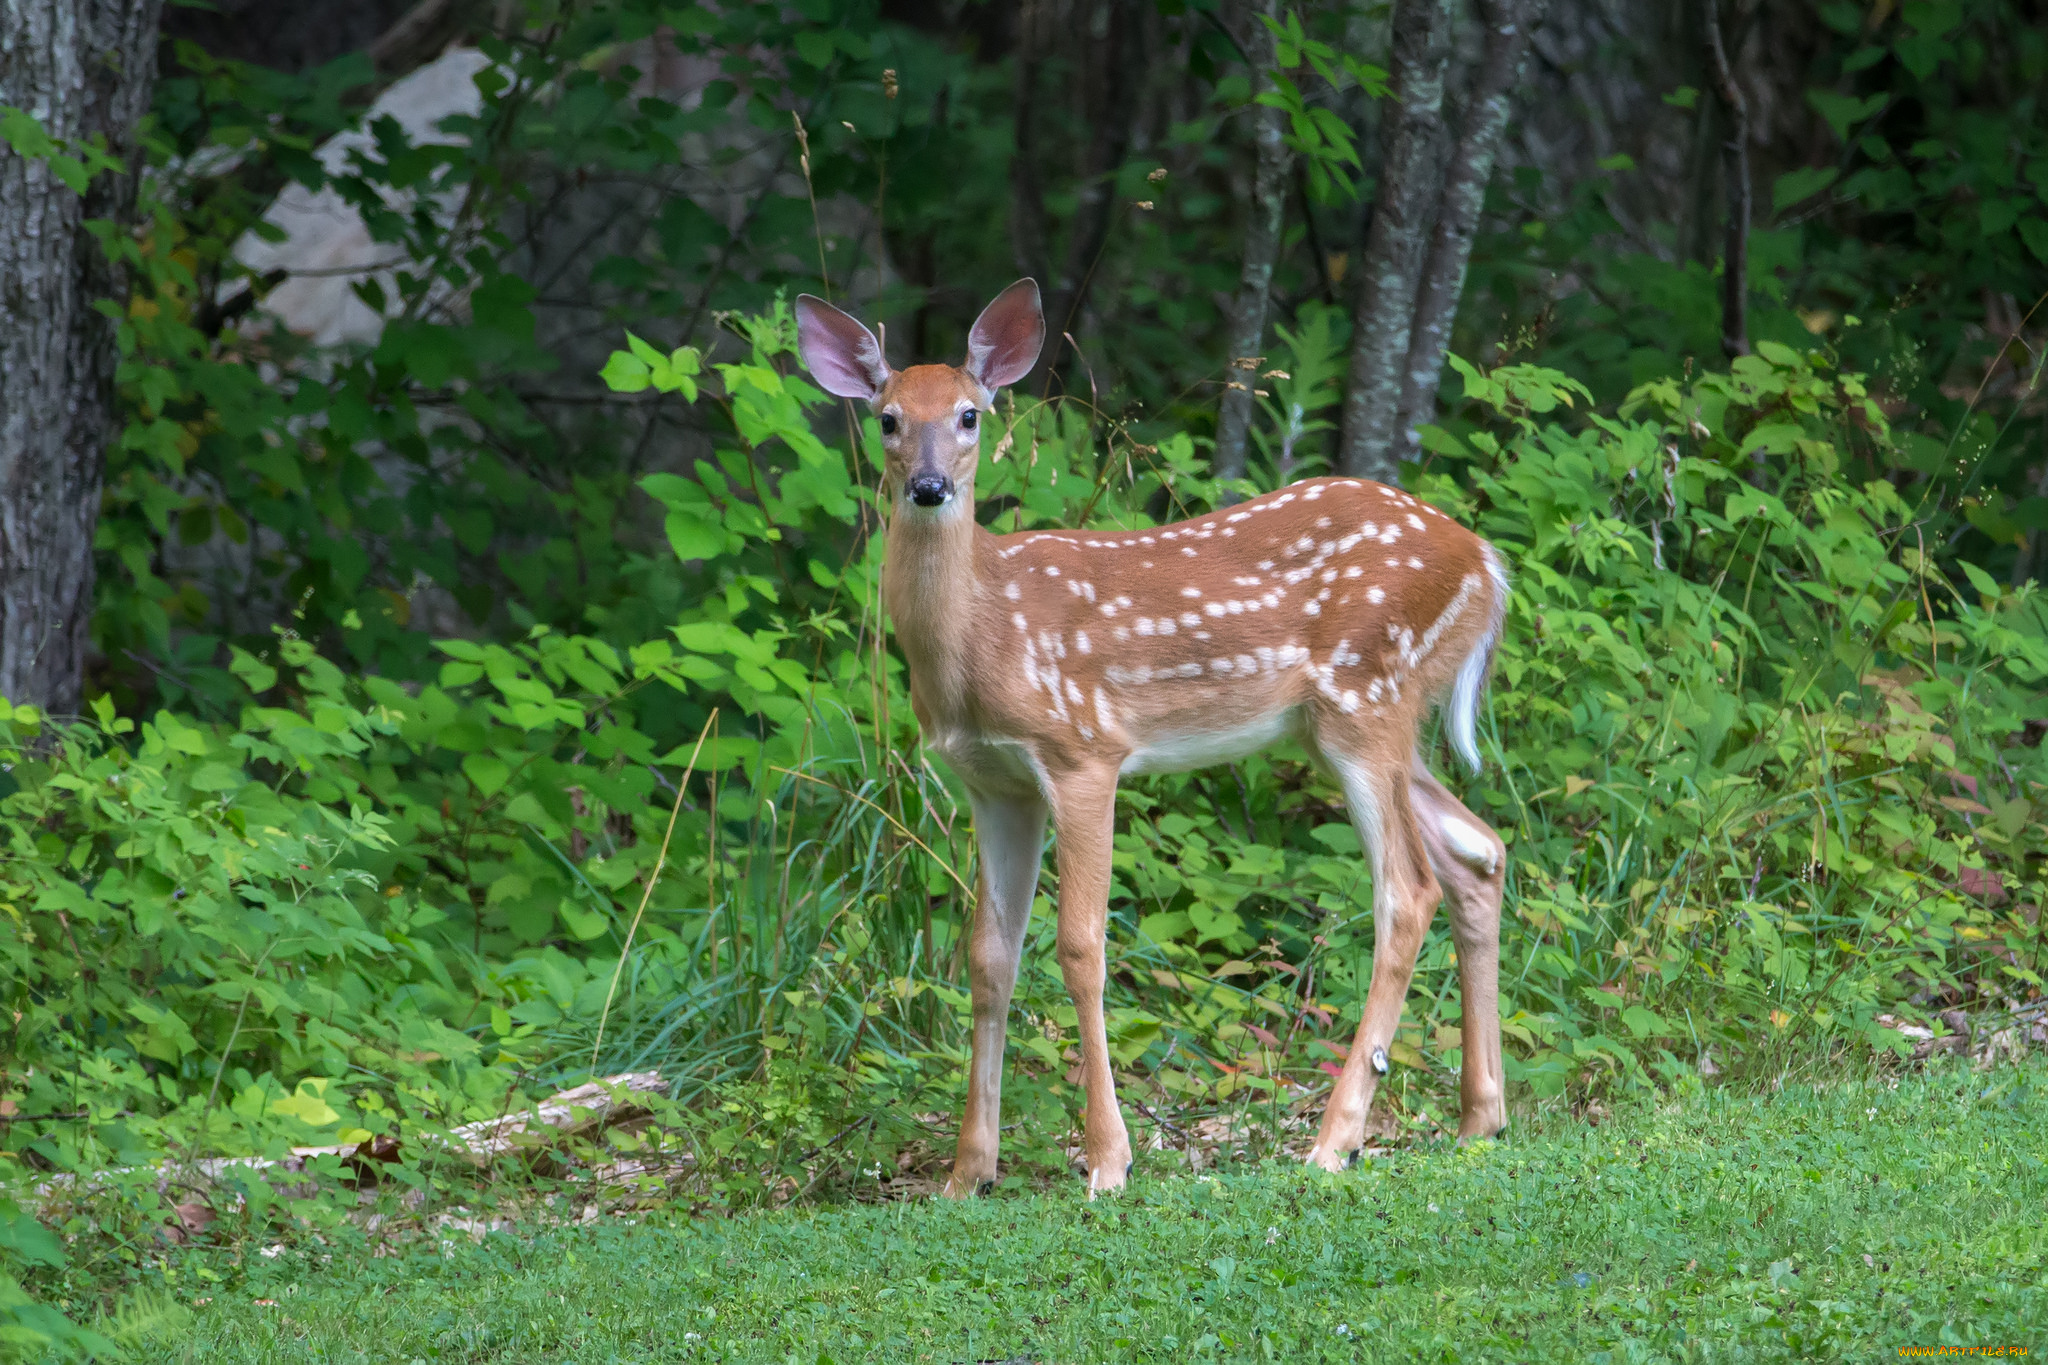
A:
[1389, 274]
[1508, 23]
[1027, 194]
[82, 68]
[1266, 215]
[1735, 176]
[1111, 77]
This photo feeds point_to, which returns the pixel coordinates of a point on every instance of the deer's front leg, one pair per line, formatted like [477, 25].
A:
[1084, 812]
[1009, 838]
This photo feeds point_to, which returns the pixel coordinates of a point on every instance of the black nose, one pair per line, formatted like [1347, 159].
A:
[930, 490]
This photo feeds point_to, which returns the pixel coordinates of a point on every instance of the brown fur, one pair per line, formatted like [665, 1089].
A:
[1045, 664]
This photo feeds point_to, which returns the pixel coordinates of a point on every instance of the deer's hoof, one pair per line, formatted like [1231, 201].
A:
[1333, 1159]
[1109, 1178]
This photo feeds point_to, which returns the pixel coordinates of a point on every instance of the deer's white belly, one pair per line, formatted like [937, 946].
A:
[1169, 753]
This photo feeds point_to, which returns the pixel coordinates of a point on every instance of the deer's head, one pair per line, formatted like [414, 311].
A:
[930, 415]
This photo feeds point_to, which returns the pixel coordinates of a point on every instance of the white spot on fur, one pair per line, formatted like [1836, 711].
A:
[1190, 592]
[1012, 591]
[1375, 595]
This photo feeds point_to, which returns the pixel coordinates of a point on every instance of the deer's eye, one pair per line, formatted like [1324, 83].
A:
[968, 419]
[888, 424]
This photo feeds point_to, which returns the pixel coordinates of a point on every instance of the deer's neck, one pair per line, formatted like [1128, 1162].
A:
[931, 585]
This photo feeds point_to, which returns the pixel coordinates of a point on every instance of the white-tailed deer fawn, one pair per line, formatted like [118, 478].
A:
[1045, 665]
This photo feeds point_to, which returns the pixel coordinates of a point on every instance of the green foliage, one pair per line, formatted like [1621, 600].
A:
[1848, 1222]
[1317, 133]
[1912, 248]
[1757, 792]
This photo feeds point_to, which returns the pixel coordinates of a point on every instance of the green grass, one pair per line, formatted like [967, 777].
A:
[1840, 1223]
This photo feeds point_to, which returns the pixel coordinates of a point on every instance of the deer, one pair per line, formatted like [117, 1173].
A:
[1046, 665]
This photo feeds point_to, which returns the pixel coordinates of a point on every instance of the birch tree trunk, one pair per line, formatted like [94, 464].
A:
[1261, 250]
[83, 68]
[1508, 23]
[1389, 273]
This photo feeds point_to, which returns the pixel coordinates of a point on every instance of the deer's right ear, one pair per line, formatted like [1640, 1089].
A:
[841, 355]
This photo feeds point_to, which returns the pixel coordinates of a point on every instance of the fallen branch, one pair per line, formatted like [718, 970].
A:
[568, 1113]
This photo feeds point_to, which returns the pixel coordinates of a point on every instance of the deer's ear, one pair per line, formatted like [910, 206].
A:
[841, 355]
[1007, 337]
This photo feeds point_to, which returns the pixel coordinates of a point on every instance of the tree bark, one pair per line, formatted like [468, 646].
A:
[1268, 211]
[1508, 23]
[1111, 77]
[1027, 194]
[1735, 175]
[1389, 273]
[82, 68]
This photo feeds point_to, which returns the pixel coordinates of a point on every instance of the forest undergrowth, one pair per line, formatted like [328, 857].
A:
[1770, 780]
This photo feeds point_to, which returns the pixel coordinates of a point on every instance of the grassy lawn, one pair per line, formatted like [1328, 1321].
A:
[1837, 1224]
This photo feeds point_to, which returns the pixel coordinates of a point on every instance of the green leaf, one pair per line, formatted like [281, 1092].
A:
[257, 676]
[1337, 838]
[643, 352]
[1779, 354]
[1644, 1023]
[1932, 18]
[582, 924]
[307, 1104]
[1795, 187]
[2033, 230]
[216, 777]
[1981, 581]
[694, 538]
[624, 373]
[487, 771]
[814, 46]
[1844, 112]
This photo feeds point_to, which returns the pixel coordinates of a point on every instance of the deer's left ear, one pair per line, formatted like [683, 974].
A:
[1007, 337]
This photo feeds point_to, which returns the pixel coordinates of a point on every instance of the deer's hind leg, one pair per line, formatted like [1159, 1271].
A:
[1471, 864]
[1379, 794]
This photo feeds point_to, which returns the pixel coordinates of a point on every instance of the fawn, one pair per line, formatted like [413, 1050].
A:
[1045, 665]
